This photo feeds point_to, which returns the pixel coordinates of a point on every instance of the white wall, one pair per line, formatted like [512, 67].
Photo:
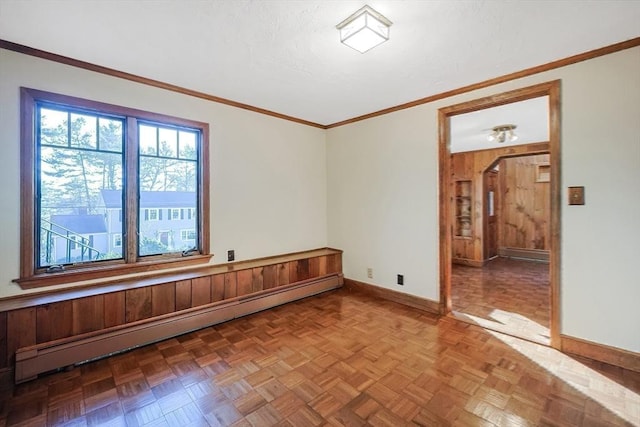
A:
[382, 197]
[383, 204]
[268, 176]
[271, 178]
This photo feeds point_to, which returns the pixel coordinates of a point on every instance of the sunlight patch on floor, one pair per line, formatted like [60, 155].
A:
[611, 395]
[510, 323]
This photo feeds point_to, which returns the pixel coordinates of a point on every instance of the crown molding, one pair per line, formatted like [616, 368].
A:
[15, 47]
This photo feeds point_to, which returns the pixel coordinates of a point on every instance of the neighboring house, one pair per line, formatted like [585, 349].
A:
[167, 217]
[77, 237]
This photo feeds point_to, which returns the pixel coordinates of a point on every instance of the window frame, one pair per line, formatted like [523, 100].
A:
[30, 274]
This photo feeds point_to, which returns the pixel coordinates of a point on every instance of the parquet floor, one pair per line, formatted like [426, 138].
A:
[506, 295]
[337, 359]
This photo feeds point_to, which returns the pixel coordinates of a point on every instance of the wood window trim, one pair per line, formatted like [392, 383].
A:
[30, 276]
[104, 284]
[111, 271]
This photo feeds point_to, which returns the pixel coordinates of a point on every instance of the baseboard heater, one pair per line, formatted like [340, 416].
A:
[531, 254]
[45, 357]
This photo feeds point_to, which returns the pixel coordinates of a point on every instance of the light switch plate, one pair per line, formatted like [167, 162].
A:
[576, 195]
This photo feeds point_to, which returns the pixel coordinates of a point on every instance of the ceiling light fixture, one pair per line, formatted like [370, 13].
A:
[503, 133]
[364, 30]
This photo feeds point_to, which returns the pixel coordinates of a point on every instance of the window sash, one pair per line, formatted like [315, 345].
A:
[71, 138]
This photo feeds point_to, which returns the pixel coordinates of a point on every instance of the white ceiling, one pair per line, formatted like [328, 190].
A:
[468, 132]
[285, 55]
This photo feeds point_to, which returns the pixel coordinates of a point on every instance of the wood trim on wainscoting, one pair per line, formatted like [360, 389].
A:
[395, 296]
[612, 355]
[115, 284]
[112, 272]
[26, 50]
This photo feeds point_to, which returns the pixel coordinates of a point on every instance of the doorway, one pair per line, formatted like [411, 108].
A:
[448, 199]
[509, 290]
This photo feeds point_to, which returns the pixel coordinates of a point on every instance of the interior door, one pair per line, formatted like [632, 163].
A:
[491, 207]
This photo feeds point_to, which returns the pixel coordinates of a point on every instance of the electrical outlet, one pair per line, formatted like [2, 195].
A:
[401, 279]
[231, 255]
[370, 273]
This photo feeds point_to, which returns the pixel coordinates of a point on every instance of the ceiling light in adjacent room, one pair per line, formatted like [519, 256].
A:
[503, 133]
[364, 30]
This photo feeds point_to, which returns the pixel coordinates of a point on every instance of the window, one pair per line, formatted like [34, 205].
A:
[187, 235]
[85, 159]
[151, 214]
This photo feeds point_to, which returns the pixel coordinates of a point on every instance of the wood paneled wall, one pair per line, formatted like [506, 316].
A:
[45, 322]
[471, 166]
[524, 222]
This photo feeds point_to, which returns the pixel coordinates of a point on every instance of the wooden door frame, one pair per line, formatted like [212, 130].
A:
[552, 90]
[485, 216]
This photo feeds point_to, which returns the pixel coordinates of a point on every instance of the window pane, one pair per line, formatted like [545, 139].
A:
[53, 127]
[160, 174]
[167, 186]
[162, 234]
[83, 131]
[79, 202]
[168, 143]
[110, 135]
[148, 140]
[188, 145]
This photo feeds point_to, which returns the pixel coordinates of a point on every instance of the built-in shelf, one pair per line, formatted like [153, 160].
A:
[463, 218]
[543, 172]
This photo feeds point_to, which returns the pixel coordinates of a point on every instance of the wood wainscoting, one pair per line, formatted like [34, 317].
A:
[469, 262]
[54, 329]
[395, 296]
[471, 166]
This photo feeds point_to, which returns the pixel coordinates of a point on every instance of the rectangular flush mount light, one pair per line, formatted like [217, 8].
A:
[364, 30]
